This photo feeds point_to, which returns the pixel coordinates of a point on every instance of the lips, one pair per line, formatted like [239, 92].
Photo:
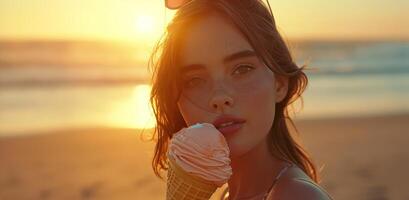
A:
[237, 123]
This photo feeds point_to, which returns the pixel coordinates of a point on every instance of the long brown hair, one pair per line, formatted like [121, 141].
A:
[254, 20]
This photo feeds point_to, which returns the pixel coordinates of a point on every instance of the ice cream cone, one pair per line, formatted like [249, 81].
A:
[182, 185]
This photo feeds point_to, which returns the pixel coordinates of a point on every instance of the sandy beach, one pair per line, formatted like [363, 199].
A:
[361, 158]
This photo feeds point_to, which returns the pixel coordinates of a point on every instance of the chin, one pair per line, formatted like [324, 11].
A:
[238, 149]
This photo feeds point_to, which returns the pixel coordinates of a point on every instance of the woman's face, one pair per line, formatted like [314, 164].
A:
[205, 47]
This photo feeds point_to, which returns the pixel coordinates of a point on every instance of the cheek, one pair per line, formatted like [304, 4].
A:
[259, 109]
[262, 110]
[262, 105]
[263, 113]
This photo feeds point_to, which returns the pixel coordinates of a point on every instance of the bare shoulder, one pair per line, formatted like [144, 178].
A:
[296, 189]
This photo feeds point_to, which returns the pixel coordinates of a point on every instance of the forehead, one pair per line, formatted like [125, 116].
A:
[210, 39]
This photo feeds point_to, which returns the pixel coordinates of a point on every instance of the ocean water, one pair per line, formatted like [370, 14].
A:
[49, 86]
[355, 78]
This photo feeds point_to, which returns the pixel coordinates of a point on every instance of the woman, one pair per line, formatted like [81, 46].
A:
[226, 58]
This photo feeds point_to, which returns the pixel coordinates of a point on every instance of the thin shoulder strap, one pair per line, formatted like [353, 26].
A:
[315, 184]
[223, 196]
[276, 179]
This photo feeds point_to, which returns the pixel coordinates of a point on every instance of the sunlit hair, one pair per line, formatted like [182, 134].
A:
[254, 20]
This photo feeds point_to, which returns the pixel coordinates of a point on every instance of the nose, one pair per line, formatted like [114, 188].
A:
[220, 101]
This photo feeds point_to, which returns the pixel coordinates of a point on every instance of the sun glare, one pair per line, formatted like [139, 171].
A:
[145, 24]
[135, 111]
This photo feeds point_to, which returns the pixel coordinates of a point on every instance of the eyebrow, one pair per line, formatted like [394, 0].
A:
[241, 54]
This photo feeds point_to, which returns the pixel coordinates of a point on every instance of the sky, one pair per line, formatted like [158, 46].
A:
[143, 20]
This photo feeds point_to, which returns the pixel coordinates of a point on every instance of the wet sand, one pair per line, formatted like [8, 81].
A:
[362, 158]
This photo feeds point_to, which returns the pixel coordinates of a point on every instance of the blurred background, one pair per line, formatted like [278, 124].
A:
[74, 89]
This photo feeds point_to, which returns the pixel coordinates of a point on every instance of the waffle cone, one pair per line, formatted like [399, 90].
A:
[181, 185]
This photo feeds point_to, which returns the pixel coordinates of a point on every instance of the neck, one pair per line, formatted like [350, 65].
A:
[253, 173]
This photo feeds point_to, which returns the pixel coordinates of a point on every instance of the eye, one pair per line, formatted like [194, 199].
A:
[243, 69]
[193, 82]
